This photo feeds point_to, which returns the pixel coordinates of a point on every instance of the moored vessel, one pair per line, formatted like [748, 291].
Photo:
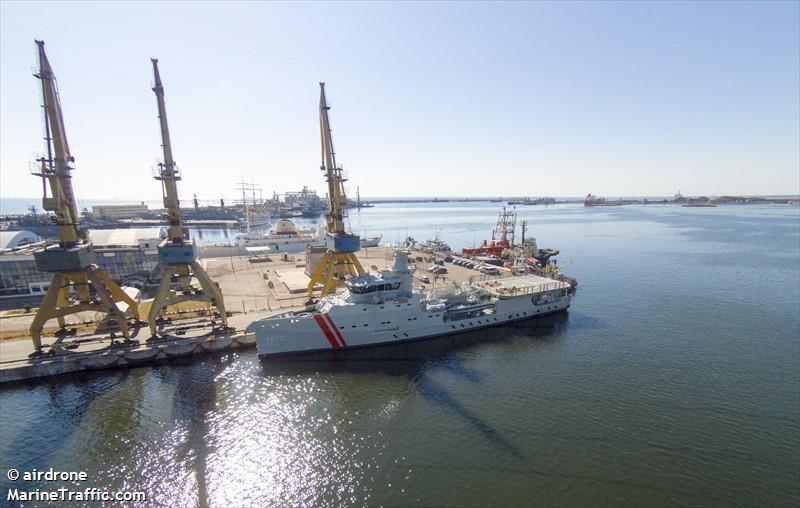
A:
[286, 237]
[372, 241]
[383, 308]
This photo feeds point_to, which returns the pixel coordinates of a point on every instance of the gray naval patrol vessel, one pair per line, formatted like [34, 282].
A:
[383, 308]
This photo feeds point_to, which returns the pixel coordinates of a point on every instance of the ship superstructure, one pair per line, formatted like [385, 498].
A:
[285, 237]
[382, 307]
[502, 236]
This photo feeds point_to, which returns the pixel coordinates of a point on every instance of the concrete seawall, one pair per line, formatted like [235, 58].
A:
[114, 356]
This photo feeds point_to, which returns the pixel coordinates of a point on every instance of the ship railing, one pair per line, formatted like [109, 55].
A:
[514, 291]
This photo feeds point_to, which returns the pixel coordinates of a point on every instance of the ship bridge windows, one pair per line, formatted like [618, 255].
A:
[360, 290]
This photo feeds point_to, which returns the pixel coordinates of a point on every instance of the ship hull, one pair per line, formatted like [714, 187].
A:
[370, 242]
[355, 326]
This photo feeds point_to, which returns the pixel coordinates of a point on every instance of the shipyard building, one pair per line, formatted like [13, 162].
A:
[126, 255]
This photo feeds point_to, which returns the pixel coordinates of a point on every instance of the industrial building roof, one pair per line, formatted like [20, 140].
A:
[124, 237]
[14, 239]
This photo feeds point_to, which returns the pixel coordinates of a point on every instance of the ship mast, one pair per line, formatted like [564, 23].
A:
[339, 261]
[78, 284]
[177, 252]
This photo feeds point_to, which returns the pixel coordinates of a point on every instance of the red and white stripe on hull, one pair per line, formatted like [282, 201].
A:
[330, 330]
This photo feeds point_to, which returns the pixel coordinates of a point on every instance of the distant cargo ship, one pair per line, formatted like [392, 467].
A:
[592, 200]
[530, 202]
[304, 203]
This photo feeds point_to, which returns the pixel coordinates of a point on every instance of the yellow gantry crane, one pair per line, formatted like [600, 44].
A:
[340, 259]
[177, 252]
[78, 284]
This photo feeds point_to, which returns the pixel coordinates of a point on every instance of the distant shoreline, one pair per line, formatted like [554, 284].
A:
[17, 206]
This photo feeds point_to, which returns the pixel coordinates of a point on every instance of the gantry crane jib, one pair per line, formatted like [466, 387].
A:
[55, 167]
[338, 239]
[177, 252]
[339, 261]
[77, 285]
[167, 170]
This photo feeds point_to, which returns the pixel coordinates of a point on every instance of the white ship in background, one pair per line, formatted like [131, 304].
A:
[372, 241]
[286, 237]
[383, 308]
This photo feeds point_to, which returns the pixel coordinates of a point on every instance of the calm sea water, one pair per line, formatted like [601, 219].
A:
[674, 379]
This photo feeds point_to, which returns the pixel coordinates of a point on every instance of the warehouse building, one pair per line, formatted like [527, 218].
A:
[126, 255]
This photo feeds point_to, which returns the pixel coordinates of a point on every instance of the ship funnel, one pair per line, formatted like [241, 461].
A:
[401, 269]
[400, 261]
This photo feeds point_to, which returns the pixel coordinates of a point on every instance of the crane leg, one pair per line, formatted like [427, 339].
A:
[62, 301]
[117, 294]
[317, 276]
[108, 302]
[332, 270]
[46, 309]
[330, 284]
[165, 298]
[212, 291]
[160, 300]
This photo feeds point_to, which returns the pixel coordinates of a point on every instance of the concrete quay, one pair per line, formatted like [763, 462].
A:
[98, 352]
[253, 289]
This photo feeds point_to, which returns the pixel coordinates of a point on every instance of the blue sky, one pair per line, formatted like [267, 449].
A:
[558, 99]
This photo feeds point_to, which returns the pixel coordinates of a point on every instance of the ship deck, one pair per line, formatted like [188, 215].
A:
[523, 285]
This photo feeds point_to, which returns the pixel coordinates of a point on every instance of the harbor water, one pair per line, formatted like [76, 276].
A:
[674, 380]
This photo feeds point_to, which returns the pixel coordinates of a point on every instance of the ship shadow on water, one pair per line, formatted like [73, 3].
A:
[416, 360]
